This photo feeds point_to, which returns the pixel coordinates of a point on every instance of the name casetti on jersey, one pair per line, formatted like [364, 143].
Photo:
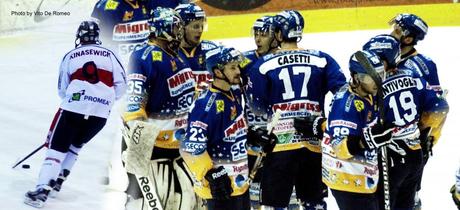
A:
[341, 170]
[216, 136]
[123, 25]
[161, 89]
[294, 82]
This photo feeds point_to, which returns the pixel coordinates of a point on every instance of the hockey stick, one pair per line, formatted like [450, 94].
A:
[261, 155]
[29, 155]
[362, 59]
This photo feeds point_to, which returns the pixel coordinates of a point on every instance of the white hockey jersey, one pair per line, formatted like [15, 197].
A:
[91, 78]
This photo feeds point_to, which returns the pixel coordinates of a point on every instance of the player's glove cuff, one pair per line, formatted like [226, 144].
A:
[377, 136]
[219, 183]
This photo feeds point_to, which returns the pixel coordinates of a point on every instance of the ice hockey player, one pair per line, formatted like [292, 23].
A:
[350, 143]
[123, 24]
[160, 94]
[298, 81]
[410, 106]
[455, 190]
[264, 38]
[410, 29]
[91, 78]
[215, 144]
[192, 47]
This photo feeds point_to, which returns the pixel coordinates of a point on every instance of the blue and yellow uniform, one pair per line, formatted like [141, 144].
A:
[294, 82]
[344, 168]
[216, 136]
[161, 89]
[124, 24]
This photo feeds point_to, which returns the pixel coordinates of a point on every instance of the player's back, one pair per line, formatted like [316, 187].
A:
[423, 66]
[89, 87]
[285, 78]
[406, 97]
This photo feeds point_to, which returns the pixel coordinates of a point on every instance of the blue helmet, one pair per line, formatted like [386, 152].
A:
[162, 22]
[190, 12]
[411, 25]
[263, 24]
[386, 47]
[218, 57]
[356, 67]
[290, 23]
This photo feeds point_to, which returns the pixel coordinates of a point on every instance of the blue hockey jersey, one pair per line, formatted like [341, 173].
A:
[424, 67]
[250, 58]
[294, 82]
[216, 136]
[123, 25]
[196, 58]
[161, 88]
[406, 96]
[342, 170]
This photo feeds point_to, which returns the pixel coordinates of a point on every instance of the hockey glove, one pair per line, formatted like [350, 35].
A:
[455, 196]
[260, 137]
[219, 183]
[311, 126]
[377, 136]
[426, 142]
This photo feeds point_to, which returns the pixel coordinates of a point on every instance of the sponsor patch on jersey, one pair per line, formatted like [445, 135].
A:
[245, 62]
[181, 81]
[128, 15]
[299, 108]
[137, 77]
[111, 5]
[157, 56]
[220, 107]
[199, 124]
[343, 123]
[236, 129]
[359, 105]
[130, 31]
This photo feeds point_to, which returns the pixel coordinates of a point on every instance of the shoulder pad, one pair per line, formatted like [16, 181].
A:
[111, 5]
[341, 92]
[147, 50]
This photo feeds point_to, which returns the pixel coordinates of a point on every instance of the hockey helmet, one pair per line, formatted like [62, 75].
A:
[162, 23]
[356, 67]
[190, 12]
[87, 33]
[290, 23]
[263, 25]
[411, 25]
[218, 57]
[386, 47]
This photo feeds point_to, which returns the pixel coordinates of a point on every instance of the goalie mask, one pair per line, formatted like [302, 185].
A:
[386, 47]
[166, 24]
[87, 33]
